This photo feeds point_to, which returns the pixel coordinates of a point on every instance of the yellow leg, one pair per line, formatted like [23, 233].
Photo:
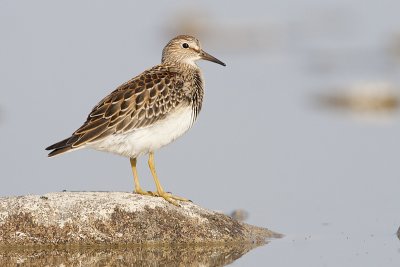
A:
[160, 191]
[138, 189]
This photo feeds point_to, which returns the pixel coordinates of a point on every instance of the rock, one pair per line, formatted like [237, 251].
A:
[239, 215]
[116, 218]
[398, 233]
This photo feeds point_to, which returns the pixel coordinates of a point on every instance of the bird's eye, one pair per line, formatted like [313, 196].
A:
[185, 45]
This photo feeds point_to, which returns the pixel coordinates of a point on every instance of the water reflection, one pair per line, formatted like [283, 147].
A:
[190, 255]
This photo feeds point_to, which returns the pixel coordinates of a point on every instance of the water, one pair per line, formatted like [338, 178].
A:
[210, 255]
[326, 178]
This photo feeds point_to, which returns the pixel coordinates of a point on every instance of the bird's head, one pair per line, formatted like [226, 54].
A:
[187, 50]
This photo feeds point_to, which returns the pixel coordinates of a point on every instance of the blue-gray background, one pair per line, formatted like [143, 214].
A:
[326, 179]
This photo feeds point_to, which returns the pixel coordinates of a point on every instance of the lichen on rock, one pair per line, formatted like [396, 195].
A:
[115, 218]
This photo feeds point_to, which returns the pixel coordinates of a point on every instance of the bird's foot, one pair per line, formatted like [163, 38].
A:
[140, 191]
[170, 197]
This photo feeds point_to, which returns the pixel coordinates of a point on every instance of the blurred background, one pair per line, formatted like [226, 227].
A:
[300, 129]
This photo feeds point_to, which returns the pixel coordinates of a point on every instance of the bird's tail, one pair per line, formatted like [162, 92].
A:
[62, 146]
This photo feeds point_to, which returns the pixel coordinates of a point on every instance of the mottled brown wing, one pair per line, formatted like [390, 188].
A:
[138, 103]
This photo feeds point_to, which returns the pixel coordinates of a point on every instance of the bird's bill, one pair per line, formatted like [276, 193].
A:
[206, 56]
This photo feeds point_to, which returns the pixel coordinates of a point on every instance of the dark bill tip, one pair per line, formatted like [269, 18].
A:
[206, 56]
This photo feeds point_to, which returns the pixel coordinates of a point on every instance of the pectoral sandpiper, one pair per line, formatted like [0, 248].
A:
[147, 112]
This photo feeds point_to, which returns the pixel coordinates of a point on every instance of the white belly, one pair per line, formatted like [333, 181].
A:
[147, 139]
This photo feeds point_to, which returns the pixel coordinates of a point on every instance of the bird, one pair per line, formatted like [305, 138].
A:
[147, 112]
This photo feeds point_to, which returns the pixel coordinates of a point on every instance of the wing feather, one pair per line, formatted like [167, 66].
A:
[137, 103]
[90, 135]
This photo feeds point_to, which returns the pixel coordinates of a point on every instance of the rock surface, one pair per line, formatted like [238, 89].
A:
[116, 218]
